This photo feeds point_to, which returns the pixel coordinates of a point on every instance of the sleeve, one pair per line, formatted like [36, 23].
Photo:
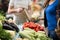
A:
[11, 3]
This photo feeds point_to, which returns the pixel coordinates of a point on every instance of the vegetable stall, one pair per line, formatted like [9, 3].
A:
[4, 35]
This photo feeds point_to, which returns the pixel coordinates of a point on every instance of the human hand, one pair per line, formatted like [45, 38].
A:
[32, 19]
[19, 10]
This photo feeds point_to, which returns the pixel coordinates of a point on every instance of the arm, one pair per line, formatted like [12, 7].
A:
[41, 18]
[11, 8]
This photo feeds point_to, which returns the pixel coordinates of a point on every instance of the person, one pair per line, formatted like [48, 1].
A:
[36, 8]
[16, 7]
[50, 12]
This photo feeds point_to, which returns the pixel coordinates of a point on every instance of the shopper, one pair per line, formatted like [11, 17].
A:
[50, 11]
[16, 7]
[36, 8]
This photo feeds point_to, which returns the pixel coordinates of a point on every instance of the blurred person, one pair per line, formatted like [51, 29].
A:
[36, 8]
[50, 17]
[16, 7]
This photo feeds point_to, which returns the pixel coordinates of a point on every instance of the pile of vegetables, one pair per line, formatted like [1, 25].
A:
[35, 26]
[41, 36]
[27, 33]
[3, 34]
[32, 35]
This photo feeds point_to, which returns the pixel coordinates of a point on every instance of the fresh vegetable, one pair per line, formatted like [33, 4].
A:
[2, 17]
[3, 34]
[35, 26]
[28, 33]
[32, 35]
[10, 26]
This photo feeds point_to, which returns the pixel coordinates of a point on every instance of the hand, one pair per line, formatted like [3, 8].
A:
[19, 10]
[32, 19]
